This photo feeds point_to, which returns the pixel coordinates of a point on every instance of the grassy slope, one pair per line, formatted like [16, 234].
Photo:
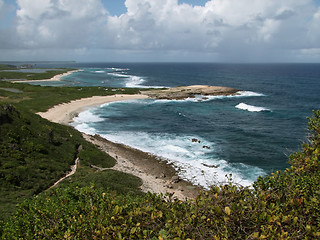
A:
[284, 205]
[35, 152]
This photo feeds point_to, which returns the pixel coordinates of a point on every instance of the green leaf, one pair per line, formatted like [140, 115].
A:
[227, 210]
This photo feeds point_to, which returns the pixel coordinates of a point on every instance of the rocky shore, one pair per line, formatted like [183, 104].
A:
[184, 92]
[157, 175]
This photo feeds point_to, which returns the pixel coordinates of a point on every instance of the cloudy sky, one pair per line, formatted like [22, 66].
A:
[160, 30]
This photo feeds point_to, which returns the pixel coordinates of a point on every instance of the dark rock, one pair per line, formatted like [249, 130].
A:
[210, 166]
[168, 185]
[162, 175]
[175, 179]
[195, 140]
[7, 111]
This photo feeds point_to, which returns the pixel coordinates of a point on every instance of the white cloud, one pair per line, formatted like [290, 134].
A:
[1, 7]
[244, 30]
[154, 24]
[58, 23]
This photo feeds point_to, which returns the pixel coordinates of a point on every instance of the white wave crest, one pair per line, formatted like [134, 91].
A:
[131, 81]
[83, 120]
[250, 108]
[118, 69]
[248, 94]
[205, 98]
[119, 75]
[192, 159]
[134, 81]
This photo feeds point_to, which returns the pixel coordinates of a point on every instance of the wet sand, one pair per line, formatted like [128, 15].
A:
[157, 175]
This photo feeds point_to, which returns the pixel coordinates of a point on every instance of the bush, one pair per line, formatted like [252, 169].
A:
[284, 205]
[34, 153]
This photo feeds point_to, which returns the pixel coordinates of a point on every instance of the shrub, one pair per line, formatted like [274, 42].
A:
[284, 205]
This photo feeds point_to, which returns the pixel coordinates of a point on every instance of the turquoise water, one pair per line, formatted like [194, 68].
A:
[246, 135]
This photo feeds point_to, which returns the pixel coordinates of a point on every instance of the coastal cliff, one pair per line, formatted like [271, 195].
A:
[184, 92]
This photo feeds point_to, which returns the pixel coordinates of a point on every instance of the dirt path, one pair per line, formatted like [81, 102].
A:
[73, 171]
[156, 174]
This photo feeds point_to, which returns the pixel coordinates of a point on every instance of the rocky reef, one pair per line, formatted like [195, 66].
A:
[184, 92]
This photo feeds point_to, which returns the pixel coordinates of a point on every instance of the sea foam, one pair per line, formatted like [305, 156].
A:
[118, 69]
[250, 108]
[249, 94]
[83, 120]
[191, 159]
[195, 161]
[206, 98]
[121, 75]
[132, 81]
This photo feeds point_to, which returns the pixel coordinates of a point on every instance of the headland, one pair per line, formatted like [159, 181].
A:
[183, 92]
[157, 175]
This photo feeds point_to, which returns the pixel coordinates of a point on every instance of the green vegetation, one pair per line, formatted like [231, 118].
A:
[6, 75]
[284, 205]
[37, 99]
[7, 67]
[108, 205]
[35, 152]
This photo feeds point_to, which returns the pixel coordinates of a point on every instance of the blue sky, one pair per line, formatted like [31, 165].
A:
[117, 7]
[160, 30]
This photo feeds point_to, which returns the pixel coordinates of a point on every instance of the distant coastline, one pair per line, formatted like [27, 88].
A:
[54, 78]
[157, 176]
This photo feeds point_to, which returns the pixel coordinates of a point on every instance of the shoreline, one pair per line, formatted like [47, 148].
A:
[157, 175]
[55, 78]
[64, 113]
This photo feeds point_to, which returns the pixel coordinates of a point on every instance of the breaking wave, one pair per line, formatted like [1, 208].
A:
[250, 108]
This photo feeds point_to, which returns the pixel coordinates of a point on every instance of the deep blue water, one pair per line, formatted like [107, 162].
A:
[247, 135]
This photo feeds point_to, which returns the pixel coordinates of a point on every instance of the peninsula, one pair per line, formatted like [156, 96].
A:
[131, 160]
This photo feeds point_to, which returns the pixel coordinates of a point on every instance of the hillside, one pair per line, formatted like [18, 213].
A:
[284, 205]
[108, 205]
[35, 152]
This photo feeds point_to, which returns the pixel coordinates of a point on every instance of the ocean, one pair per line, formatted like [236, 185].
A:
[206, 139]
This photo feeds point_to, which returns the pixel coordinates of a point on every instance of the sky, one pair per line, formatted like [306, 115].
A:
[160, 30]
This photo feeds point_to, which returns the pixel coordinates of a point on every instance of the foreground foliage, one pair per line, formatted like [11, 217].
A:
[34, 153]
[284, 205]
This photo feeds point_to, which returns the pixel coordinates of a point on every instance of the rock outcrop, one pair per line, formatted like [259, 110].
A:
[184, 92]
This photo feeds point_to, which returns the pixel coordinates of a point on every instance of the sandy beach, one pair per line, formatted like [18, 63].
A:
[157, 176]
[65, 112]
[54, 78]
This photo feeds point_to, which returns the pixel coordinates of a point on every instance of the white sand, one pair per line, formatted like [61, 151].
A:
[127, 159]
[54, 78]
[63, 113]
